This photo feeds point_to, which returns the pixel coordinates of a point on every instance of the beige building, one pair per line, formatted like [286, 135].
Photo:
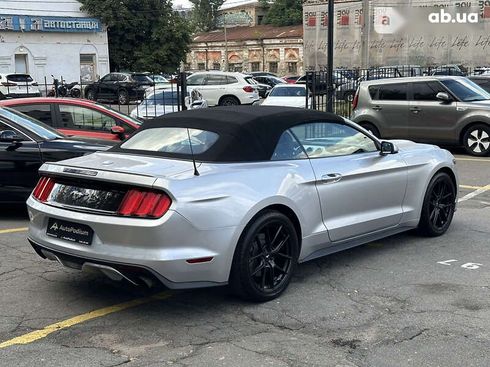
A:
[257, 48]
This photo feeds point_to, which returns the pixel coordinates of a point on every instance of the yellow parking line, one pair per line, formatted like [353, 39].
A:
[471, 187]
[39, 334]
[13, 230]
[473, 159]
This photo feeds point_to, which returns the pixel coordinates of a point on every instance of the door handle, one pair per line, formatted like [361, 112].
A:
[377, 108]
[415, 110]
[331, 178]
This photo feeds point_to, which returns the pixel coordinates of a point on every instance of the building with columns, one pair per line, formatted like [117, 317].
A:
[49, 38]
[257, 48]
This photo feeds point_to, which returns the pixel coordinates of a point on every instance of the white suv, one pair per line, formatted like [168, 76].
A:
[224, 88]
[17, 86]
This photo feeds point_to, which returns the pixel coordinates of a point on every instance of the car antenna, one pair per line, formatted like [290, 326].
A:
[196, 172]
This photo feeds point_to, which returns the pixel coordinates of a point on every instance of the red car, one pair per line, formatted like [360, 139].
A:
[291, 79]
[76, 117]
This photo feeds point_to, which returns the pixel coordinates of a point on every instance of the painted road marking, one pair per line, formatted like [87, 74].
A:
[470, 187]
[471, 195]
[13, 230]
[39, 334]
[473, 159]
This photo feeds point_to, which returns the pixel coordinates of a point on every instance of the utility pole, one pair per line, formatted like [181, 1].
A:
[366, 24]
[330, 86]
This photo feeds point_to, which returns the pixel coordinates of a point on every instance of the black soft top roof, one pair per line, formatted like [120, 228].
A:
[246, 133]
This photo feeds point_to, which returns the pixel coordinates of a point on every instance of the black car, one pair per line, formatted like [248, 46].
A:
[271, 81]
[120, 87]
[25, 144]
[262, 89]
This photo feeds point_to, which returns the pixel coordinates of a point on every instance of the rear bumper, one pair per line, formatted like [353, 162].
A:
[159, 248]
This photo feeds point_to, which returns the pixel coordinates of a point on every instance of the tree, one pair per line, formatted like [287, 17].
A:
[284, 12]
[205, 13]
[144, 35]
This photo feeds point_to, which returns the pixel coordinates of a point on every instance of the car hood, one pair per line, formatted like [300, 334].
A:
[133, 164]
[479, 104]
[405, 145]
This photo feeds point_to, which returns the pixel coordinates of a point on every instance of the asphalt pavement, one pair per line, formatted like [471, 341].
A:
[401, 301]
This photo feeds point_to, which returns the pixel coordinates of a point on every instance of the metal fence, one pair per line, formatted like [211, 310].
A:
[140, 100]
[346, 82]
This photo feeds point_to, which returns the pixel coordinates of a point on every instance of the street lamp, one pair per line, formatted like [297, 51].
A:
[330, 86]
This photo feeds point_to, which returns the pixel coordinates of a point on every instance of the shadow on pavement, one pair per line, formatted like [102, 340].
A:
[13, 211]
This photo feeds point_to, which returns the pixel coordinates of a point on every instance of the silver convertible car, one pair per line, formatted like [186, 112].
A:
[238, 196]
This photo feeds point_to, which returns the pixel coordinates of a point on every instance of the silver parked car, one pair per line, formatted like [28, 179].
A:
[236, 195]
[444, 110]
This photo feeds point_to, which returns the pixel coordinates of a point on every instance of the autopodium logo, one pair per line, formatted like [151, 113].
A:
[443, 17]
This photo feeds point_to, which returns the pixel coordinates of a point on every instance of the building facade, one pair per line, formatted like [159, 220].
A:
[48, 38]
[259, 48]
[398, 32]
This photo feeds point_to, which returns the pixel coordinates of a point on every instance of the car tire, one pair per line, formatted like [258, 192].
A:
[229, 101]
[476, 140]
[90, 94]
[123, 97]
[438, 207]
[371, 128]
[349, 96]
[265, 258]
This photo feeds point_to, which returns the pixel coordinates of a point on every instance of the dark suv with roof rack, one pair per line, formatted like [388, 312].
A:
[120, 87]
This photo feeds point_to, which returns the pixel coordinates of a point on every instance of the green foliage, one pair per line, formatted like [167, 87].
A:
[204, 14]
[144, 35]
[284, 12]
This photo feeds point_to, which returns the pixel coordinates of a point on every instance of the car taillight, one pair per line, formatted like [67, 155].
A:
[355, 100]
[248, 89]
[144, 204]
[43, 189]
[9, 84]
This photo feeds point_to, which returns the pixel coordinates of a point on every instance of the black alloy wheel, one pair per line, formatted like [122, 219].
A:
[122, 96]
[91, 94]
[371, 128]
[265, 258]
[476, 140]
[439, 205]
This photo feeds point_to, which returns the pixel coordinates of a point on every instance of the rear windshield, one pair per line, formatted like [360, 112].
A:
[175, 140]
[288, 92]
[141, 78]
[19, 78]
[167, 98]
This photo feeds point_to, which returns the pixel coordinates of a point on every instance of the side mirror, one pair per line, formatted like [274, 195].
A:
[388, 148]
[444, 97]
[119, 131]
[10, 136]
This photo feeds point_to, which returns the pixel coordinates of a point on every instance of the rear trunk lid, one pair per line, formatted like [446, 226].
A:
[99, 182]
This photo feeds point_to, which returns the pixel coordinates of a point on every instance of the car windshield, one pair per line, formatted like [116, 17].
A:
[466, 90]
[119, 114]
[19, 78]
[288, 92]
[36, 127]
[164, 98]
[175, 140]
[159, 79]
[277, 80]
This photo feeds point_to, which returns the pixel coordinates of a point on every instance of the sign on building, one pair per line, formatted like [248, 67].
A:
[25, 23]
